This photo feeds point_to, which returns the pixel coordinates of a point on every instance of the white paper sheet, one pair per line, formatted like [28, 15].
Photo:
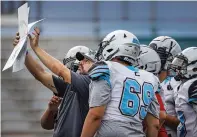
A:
[23, 14]
[19, 63]
[33, 23]
[14, 54]
[18, 54]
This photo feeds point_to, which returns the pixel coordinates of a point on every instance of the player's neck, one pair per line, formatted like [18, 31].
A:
[121, 62]
[162, 76]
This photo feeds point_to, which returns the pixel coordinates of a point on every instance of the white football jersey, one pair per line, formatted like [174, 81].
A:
[185, 96]
[131, 94]
[128, 93]
[161, 91]
[168, 84]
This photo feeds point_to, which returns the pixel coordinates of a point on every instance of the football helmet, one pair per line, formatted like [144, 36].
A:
[167, 48]
[149, 60]
[70, 60]
[119, 43]
[184, 64]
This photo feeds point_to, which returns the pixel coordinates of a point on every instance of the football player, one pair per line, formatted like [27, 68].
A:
[121, 96]
[185, 67]
[167, 48]
[150, 61]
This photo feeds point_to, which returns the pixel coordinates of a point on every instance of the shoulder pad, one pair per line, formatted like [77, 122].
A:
[99, 69]
[192, 92]
[100, 72]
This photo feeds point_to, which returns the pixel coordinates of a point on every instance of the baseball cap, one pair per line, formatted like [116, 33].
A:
[90, 55]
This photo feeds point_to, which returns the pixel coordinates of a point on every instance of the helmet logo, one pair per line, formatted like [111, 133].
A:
[128, 59]
[135, 41]
[125, 35]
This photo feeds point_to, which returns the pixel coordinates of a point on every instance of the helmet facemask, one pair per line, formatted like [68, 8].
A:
[178, 67]
[165, 56]
[102, 45]
[74, 66]
[71, 63]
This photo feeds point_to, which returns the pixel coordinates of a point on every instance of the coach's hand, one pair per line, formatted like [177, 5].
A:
[54, 103]
[34, 40]
[16, 40]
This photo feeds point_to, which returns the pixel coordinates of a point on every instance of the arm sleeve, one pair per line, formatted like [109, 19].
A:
[100, 93]
[60, 85]
[80, 84]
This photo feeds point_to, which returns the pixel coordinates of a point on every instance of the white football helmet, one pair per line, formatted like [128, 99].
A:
[70, 59]
[90, 55]
[167, 48]
[185, 64]
[149, 60]
[119, 43]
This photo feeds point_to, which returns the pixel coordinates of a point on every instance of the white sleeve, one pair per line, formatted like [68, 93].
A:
[154, 107]
[100, 93]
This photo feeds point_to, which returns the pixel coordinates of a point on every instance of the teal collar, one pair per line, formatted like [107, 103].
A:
[167, 79]
[133, 68]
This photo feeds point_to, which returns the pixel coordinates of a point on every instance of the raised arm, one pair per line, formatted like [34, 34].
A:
[36, 69]
[50, 62]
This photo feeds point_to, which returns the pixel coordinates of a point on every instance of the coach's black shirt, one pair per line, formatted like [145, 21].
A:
[74, 106]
